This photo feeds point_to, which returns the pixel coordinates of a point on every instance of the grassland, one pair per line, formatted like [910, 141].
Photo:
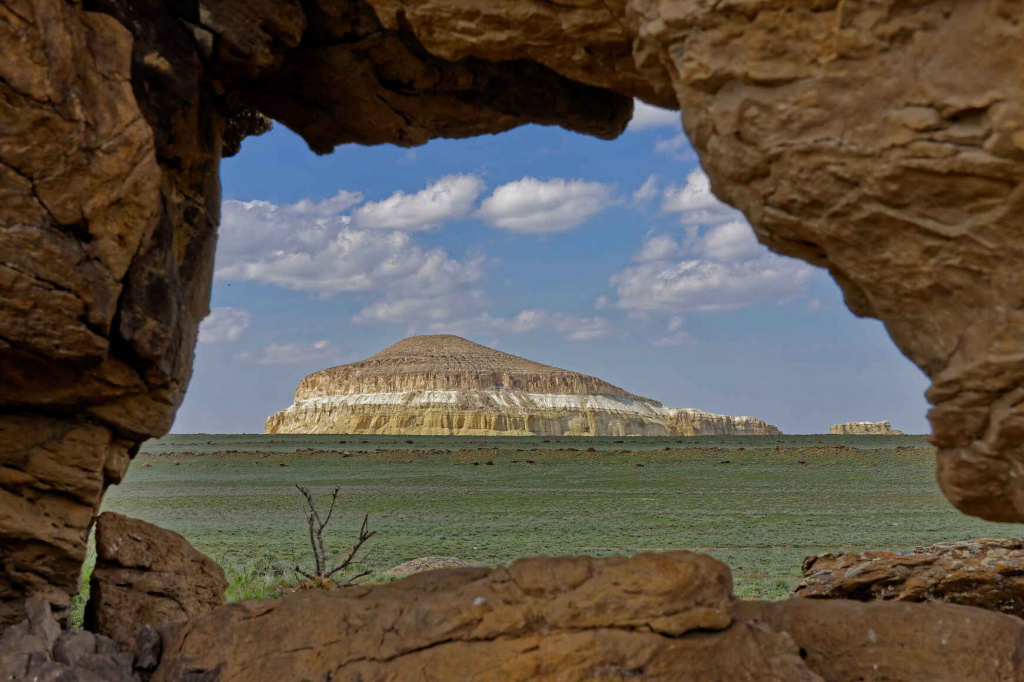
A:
[742, 500]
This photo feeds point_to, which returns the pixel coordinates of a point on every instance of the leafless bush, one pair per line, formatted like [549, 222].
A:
[321, 572]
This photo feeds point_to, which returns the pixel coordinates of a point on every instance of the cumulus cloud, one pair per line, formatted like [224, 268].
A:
[450, 198]
[657, 247]
[572, 327]
[677, 286]
[533, 206]
[716, 263]
[415, 309]
[677, 147]
[321, 352]
[732, 241]
[676, 335]
[312, 247]
[647, 116]
[696, 204]
[647, 192]
[224, 325]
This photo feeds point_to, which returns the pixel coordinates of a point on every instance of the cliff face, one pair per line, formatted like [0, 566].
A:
[864, 429]
[446, 385]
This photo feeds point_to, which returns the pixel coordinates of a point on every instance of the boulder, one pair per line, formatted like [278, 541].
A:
[430, 563]
[659, 616]
[36, 649]
[849, 641]
[985, 573]
[146, 575]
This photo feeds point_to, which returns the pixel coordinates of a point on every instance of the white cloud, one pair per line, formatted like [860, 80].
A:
[696, 204]
[814, 305]
[573, 327]
[320, 352]
[533, 206]
[677, 147]
[732, 241]
[450, 198]
[224, 325]
[680, 338]
[648, 116]
[646, 192]
[658, 247]
[414, 308]
[676, 336]
[312, 247]
[673, 287]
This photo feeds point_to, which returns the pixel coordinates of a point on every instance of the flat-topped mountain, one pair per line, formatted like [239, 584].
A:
[447, 385]
[864, 429]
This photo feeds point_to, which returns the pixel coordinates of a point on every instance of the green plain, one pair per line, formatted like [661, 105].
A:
[741, 499]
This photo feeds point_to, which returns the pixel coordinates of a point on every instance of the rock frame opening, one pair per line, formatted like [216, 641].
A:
[855, 136]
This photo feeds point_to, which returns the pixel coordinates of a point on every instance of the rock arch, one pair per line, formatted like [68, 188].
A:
[880, 139]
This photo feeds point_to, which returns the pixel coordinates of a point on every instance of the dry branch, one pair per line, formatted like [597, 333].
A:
[316, 540]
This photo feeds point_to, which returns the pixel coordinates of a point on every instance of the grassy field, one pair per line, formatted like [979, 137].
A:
[759, 504]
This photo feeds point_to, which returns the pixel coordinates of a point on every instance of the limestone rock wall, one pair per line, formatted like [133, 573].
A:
[490, 413]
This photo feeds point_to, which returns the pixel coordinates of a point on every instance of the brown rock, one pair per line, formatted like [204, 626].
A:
[662, 616]
[984, 573]
[848, 641]
[145, 575]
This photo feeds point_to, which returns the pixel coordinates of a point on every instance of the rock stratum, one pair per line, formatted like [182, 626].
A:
[443, 385]
[864, 429]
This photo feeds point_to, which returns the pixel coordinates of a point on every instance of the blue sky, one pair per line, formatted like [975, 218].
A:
[609, 258]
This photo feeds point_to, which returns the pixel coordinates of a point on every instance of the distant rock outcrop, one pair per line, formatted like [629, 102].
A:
[446, 385]
[864, 429]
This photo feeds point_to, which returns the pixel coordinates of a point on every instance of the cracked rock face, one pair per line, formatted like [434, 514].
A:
[146, 575]
[657, 616]
[660, 616]
[985, 573]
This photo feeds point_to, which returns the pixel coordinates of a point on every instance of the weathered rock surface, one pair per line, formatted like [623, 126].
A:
[36, 649]
[984, 573]
[848, 641]
[446, 385]
[108, 207]
[660, 616]
[864, 429]
[146, 575]
[430, 563]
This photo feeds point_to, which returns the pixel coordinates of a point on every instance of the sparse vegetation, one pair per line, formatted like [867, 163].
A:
[322, 575]
[761, 512]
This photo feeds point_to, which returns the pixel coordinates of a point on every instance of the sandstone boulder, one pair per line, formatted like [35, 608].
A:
[984, 573]
[656, 616]
[146, 575]
[849, 641]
